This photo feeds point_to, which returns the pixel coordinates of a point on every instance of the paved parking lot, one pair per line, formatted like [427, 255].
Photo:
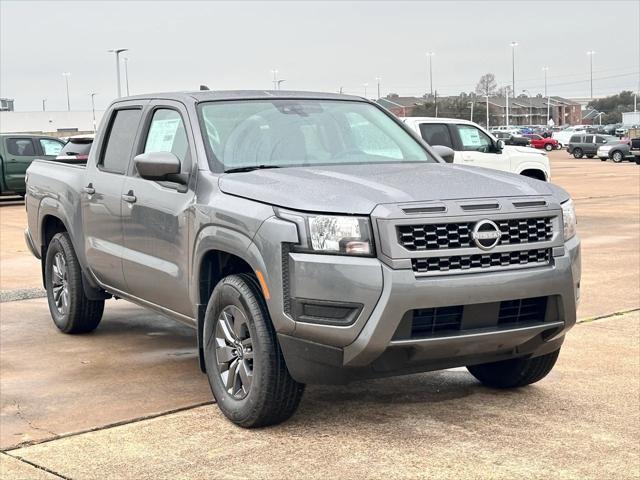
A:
[128, 401]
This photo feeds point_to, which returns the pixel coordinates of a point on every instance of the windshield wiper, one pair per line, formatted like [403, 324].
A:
[250, 168]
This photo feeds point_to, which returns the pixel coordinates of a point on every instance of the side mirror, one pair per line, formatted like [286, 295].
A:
[446, 153]
[157, 165]
[500, 144]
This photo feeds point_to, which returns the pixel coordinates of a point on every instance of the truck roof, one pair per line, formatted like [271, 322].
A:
[218, 95]
[438, 120]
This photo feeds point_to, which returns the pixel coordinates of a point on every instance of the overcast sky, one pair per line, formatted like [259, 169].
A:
[314, 45]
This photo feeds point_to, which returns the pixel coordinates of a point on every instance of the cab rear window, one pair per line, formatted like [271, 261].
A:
[76, 147]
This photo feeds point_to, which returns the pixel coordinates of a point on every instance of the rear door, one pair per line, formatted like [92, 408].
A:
[590, 145]
[156, 214]
[20, 152]
[477, 149]
[102, 195]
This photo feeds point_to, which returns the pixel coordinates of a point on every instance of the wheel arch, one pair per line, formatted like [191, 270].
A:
[219, 252]
[536, 173]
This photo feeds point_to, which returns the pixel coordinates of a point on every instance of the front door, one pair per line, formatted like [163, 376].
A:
[102, 196]
[156, 214]
[477, 149]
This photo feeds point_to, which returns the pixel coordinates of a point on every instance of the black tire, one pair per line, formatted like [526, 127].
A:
[590, 156]
[548, 147]
[603, 159]
[71, 310]
[517, 372]
[577, 153]
[617, 156]
[272, 395]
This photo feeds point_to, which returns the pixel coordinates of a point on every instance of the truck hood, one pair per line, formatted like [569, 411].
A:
[357, 189]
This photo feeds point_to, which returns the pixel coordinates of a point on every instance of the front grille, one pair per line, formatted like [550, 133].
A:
[536, 257]
[525, 310]
[431, 321]
[458, 235]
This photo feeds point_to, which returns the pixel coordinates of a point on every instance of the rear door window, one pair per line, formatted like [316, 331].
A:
[116, 153]
[436, 134]
[21, 147]
[588, 139]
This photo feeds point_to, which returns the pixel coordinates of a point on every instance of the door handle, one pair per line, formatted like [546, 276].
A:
[89, 190]
[129, 197]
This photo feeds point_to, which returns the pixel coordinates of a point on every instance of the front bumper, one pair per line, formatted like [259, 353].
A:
[366, 347]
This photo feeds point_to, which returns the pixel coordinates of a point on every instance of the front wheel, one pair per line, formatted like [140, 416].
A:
[517, 372]
[548, 147]
[71, 310]
[243, 360]
[617, 157]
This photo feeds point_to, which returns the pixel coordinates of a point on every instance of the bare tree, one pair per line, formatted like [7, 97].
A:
[487, 85]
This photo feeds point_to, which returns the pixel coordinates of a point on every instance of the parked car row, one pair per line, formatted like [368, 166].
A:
[605, 147]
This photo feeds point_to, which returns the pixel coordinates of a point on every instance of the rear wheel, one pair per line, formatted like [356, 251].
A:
[244, 363]
[577, 153]
[517, 372]
[71, 310]
[617, 156]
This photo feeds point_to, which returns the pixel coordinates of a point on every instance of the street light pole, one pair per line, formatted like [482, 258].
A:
[126, 74]
[118, 51]
[280, 82]
[471, 104]
[545, 70]
[506, 97]
[275, 78]
[93, 109]
[66, 79]
[44, 102]
[430, 55]
[378, 81]
[487, 111]
[513, 67]
[591, 53]
[529, 98]
[365, 89]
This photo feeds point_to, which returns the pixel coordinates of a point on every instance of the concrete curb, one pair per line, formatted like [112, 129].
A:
[21, 294]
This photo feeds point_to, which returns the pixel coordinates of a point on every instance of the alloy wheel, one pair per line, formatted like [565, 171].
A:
[234, 352]
[60, 283]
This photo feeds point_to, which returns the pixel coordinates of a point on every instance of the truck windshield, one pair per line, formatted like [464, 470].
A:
[283, 133]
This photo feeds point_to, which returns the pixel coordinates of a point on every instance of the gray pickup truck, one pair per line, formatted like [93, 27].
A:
[308, 238]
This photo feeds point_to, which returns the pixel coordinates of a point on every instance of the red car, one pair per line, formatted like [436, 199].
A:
[537, 141]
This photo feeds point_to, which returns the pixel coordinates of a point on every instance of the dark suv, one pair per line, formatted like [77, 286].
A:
[586, 144]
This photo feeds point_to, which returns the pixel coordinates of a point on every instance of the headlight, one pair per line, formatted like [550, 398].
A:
[332, 234]
[569, 219]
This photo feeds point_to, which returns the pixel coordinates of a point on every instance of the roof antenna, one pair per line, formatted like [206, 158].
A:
[204, 87]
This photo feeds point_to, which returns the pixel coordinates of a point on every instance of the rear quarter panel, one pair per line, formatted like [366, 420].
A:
[54, 188]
